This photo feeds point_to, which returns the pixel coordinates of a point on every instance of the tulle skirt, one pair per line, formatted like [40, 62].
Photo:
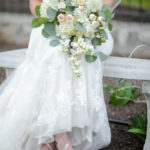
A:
[42, 97]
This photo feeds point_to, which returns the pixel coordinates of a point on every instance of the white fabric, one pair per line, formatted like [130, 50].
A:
[42, 97]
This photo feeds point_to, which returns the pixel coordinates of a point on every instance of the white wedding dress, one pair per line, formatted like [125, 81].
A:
[42, 97]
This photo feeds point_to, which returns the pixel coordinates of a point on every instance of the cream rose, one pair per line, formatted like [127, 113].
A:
[100, 19]
[80, 34]
[82, 8]
[61, 5]
[61, 18]
[92, 17]
[69, 18]
[95, 23]
[80, 2]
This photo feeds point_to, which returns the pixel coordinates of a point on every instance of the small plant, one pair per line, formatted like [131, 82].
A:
[138, 126]
[122, 93]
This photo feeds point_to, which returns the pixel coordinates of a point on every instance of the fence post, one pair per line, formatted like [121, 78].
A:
[146, 92]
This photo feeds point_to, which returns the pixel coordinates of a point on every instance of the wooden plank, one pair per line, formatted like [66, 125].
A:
[128, 68]
[117, 67]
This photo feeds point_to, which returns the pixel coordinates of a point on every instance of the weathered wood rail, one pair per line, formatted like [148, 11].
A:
[117, 67]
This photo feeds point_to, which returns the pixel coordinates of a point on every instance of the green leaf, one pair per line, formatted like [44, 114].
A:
[90, 58]
[108, 15]
[43, 20]
[54, 42]
[137, 131]
[96, 41]
[116, 101]
[110, 27]
[44, 33]
[80, 27]
[101, 55]
[35, 22]
[103, 34]
[50, 28]
[51, 13]
[71, 9]
[68, 2]
[37, 10]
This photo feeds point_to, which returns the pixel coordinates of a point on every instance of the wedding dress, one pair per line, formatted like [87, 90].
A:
[43, 97]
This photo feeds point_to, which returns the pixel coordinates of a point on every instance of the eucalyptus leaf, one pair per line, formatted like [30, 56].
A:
[96, 41]
[50, 28]
[101, 55]
[51, 13]
[90, 58]
[68, 2]
[44, 33]
[71, 9]
[37, 10]
[103, 34]
[35, 22]
[80, 27]
[54, 42]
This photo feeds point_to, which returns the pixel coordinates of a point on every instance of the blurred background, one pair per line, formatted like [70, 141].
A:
[131, 26]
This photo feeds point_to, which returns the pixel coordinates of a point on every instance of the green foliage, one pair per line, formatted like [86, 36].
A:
[68, 2]
[51, 13]
[101, 55]
[138, 126]
[103, 34]
[90, 58]
[54, 42]
[80, 27]
[106, 12]
[122, 92]
[110, 27]
[96, 41]
[44, 33]
[37, 10]
[36, 22]
[50, 28]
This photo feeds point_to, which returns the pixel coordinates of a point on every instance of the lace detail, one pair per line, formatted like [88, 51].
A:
[80, 98]
[97, 98]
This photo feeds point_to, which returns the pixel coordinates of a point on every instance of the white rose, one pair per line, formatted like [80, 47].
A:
[69, 18]
[61, 5]
[61, 18]
[82, 8]
[92, 17]
[95, 23]
[100, 18]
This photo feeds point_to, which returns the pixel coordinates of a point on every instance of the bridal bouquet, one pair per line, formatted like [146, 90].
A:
[78, 25]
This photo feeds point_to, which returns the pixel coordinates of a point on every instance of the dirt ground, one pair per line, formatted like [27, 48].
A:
[121, 139]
